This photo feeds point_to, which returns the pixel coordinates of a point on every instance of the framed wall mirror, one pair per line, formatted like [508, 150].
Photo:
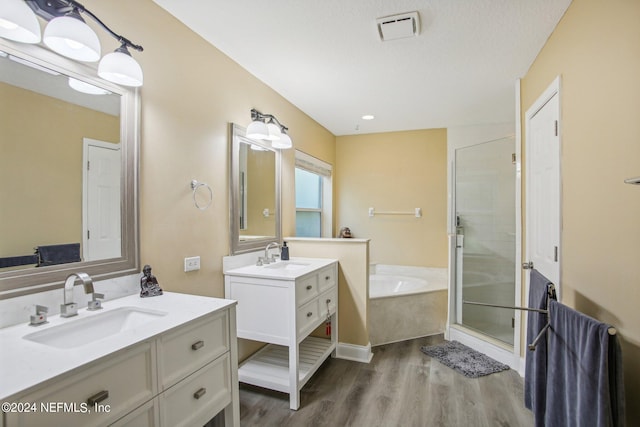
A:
[68, 172]
[254, 193]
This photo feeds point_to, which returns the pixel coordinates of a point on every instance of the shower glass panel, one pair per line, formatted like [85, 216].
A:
[485, 237]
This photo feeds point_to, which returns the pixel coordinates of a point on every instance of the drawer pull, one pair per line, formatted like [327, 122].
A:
[309, 314]
[309, 287]
[198, 394]
[327, 277]
[98, 397]
[197, 345]
[328, 301]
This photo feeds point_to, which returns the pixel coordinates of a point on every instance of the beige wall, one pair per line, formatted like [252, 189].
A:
[596, 50]
[353, 281]
[395, 171]
[190, 94]
[41, 168]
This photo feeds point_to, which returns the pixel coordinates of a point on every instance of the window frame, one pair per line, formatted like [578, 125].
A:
[323, 169]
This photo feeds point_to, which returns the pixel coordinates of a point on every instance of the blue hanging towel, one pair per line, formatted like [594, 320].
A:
[535, 379]
[584, 378]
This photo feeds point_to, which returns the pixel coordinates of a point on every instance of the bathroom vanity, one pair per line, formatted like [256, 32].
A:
[282, 304]
[170, 360]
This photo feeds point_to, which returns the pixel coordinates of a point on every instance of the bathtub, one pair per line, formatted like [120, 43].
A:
[406, 302]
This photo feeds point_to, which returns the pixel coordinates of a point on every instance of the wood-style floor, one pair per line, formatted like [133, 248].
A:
[400, 387]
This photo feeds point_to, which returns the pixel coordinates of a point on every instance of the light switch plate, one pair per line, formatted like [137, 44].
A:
[192, 263]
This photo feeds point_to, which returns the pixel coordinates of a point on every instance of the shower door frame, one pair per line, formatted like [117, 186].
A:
[483, 343]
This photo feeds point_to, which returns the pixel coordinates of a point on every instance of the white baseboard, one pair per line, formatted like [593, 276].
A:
[357, 353]
[521, 369]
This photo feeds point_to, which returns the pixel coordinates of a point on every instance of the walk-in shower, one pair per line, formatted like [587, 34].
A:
[485, 237]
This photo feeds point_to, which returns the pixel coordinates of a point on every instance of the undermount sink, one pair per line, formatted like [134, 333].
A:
[82, 331]
[288, 265]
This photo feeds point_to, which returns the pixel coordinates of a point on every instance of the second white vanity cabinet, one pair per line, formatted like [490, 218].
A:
[281, 304]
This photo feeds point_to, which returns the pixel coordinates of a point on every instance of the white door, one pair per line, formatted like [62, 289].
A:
[101, 200]
[543, 224]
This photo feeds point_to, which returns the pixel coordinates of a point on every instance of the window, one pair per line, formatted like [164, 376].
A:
[313, 196]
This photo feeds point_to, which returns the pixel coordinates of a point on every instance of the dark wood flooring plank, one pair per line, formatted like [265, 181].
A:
[400, 387]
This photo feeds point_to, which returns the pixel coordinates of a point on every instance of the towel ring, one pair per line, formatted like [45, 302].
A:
[194, 186]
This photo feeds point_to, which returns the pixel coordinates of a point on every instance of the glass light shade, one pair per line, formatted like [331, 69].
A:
[120, 67]
[71, 37]
[257, 130]
[274, 132]
[283, 143]
[85, 87]
[18, 22]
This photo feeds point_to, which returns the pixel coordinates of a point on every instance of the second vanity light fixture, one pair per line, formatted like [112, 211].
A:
[68, 35]
[267, 127]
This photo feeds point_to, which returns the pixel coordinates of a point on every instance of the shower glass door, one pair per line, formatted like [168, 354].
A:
[485, 237]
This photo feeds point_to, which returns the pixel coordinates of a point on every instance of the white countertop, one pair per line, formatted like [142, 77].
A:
[24, 363]
[282, 270]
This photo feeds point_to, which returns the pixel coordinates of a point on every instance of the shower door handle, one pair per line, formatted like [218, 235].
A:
[527, 265]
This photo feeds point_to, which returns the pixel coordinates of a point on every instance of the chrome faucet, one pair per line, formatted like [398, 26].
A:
[269, 259]
[70, 308]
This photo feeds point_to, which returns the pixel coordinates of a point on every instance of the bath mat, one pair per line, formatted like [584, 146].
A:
[463, 359]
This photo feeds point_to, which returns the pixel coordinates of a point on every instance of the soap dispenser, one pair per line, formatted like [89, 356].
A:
[284, 252]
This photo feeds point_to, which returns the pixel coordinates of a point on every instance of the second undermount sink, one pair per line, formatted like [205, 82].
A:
[82, 331]
[288, 265]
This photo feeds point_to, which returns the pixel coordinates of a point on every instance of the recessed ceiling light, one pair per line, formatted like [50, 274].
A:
[368, 117]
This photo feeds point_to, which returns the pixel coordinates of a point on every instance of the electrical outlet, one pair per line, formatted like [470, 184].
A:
[192, 263]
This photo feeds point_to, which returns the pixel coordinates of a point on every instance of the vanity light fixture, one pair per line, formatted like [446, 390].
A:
[368, 117]
[18, 22]
[267, 127]
[68, 35]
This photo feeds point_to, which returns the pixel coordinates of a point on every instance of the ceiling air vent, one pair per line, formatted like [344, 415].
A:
[398, 26]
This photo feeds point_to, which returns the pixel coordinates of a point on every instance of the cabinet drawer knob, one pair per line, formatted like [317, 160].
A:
[309, 314]
[197, 345]
[198, 394]
[98, 397]
[327, 277]
[309, 287]
[328, 300]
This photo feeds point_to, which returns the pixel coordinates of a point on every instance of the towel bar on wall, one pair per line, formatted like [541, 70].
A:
[551, 294]
[417, 212]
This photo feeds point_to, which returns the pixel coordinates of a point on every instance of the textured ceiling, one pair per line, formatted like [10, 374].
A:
[326, 58]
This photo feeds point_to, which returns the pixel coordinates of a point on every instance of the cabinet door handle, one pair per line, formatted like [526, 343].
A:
[328, 301]
[197, 345]
[309, 287]
[309, 314]
[98, 397]
[198, 394]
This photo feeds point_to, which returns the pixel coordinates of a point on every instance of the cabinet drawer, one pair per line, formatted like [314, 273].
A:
[147, 415]
[306, 289]
[307, 316]
[327, 278]
[199, 397]
[328, 300]
[190, 347]
[124, 382]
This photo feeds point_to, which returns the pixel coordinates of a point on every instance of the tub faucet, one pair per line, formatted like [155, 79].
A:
[70, 308]
[269, 259]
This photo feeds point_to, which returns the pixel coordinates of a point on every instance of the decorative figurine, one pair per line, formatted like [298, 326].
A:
[149, 286]
[345, 232]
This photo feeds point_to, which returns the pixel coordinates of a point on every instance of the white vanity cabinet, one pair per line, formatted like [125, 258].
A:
[281, 304]
[183, 376]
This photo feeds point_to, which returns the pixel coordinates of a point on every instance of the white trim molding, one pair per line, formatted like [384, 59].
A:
[356, 353]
